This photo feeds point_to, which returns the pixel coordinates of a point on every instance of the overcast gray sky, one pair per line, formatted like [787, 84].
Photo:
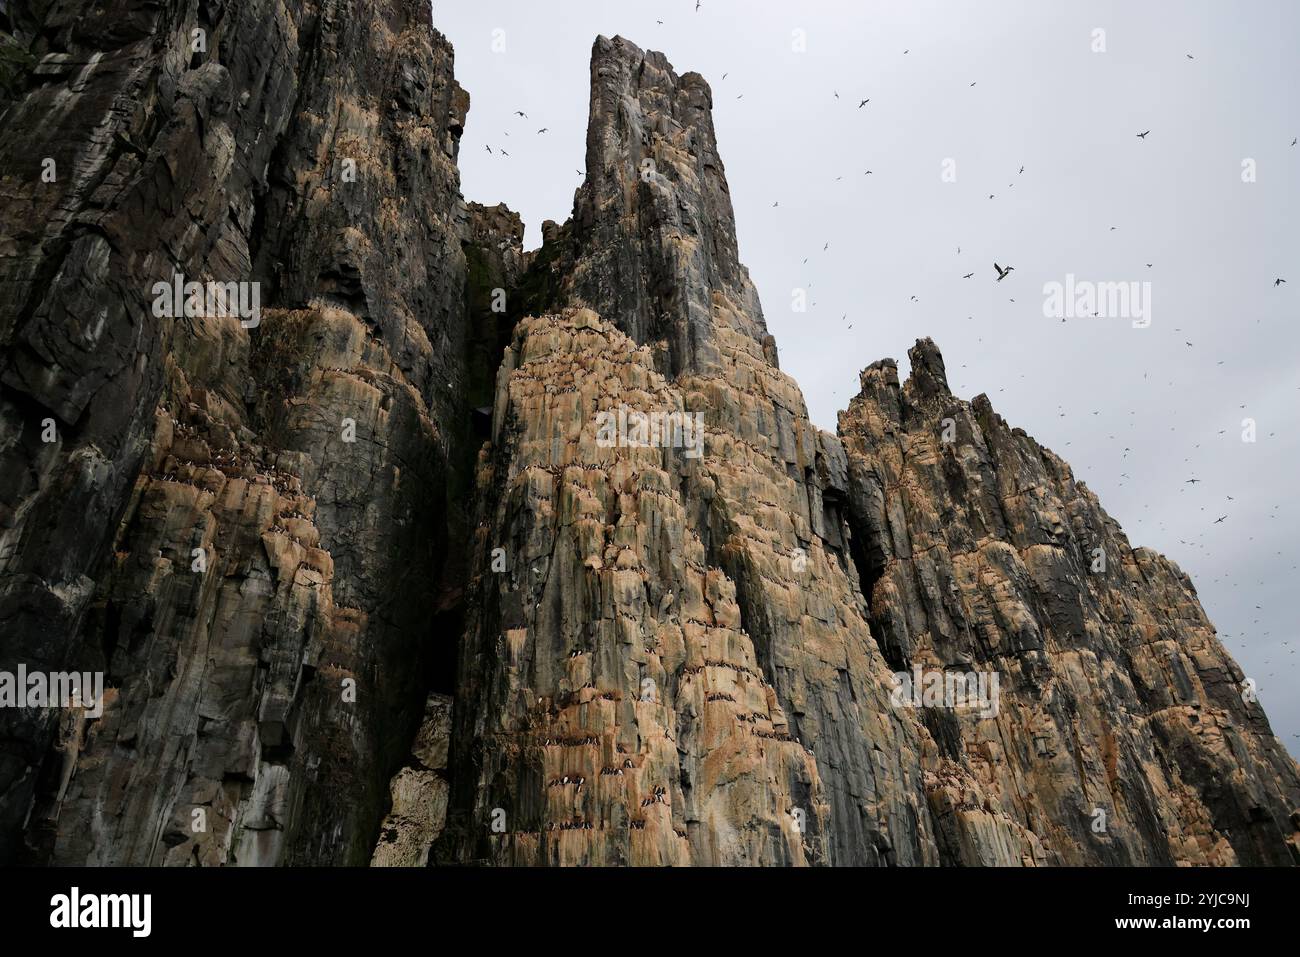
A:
[1094, 201]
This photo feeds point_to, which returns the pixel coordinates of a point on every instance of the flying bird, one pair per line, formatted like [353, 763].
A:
[1278, 282]
[1143, 136]
[968, 275]
[488, 148]
[864, 102]
[1002, 273]
[521, 113]
[543, 129]
[1219, 520]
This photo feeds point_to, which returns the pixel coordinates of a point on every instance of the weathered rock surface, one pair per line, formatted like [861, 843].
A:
[648, 564]
[260, 703]
[370, 582]
[419, 793]
[613, 706]
[624, 568]
[981, 551]
[651, 245]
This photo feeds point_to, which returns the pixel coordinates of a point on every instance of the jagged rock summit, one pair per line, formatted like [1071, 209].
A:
[1123, 734]
[651, 245]
[393, 576]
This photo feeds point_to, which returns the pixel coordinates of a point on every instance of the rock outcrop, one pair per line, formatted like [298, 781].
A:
[419, 793]
[633, 584]
[451, 553]
[651, 244]
[241, 523]
[1125, 734]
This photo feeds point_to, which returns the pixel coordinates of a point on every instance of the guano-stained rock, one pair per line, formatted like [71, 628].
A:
[1118, 703]
[394, 574]
[258, 704]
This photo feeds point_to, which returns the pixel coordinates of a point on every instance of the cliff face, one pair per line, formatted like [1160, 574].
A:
[395, 573]
[692, 622]
[981, 551]
[240, 523]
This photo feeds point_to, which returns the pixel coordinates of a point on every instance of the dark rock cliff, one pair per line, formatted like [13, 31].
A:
[368, 582]
[311, 150]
